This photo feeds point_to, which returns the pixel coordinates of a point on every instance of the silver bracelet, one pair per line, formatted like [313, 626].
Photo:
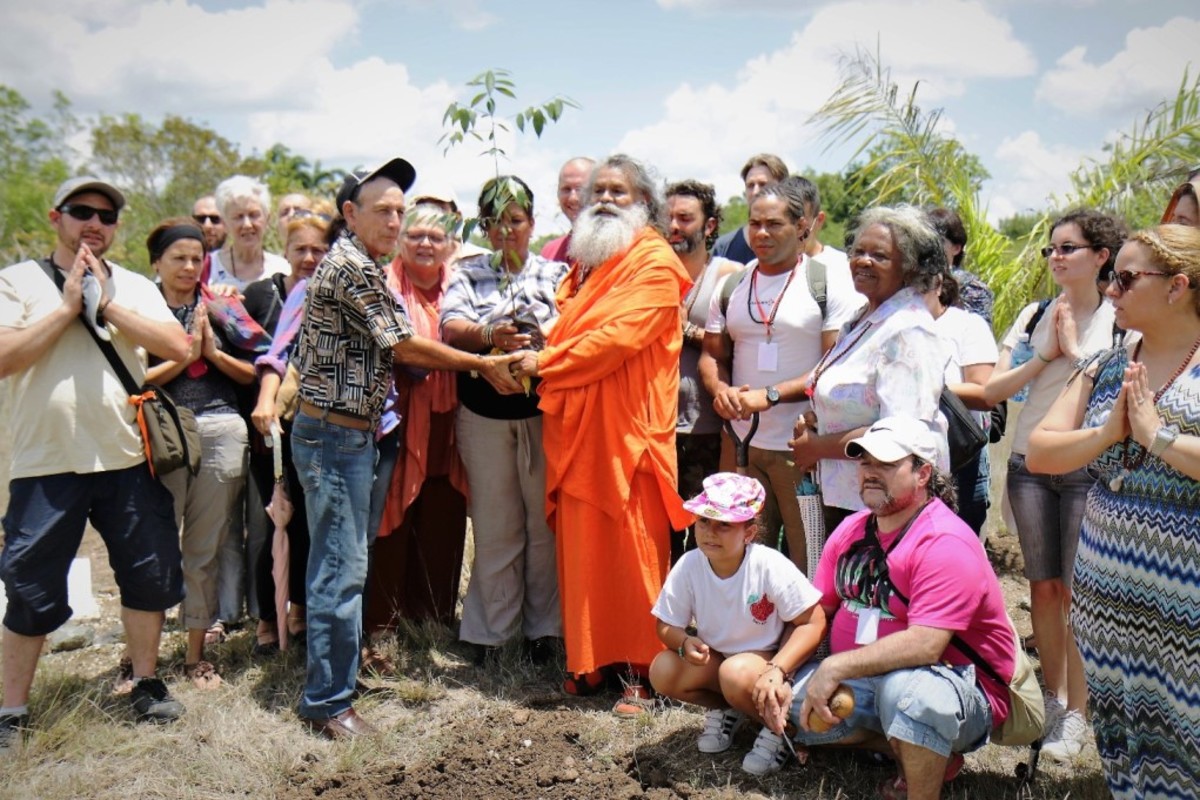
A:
[489, 332]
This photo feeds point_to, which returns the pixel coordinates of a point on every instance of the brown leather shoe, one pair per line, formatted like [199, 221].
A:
[345, 725]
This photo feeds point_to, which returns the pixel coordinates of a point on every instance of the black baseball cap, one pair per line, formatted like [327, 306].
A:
[397, 170]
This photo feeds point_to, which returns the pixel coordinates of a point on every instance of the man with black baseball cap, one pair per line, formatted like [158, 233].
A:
[77, 454]
[352, 332]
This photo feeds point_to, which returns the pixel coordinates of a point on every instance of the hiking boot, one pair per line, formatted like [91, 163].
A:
[12, 726]
[720, 726]
[1067, 739]
[768, 755]
[153, 703]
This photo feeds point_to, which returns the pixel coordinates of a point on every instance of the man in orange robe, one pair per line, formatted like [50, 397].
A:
[610, 381]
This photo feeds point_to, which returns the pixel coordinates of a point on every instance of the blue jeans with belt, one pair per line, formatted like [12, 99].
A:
[336, 466]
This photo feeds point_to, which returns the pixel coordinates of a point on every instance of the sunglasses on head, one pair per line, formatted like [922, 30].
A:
[1125, 279]
[83, 213]
[212, 219]
[1064, 249]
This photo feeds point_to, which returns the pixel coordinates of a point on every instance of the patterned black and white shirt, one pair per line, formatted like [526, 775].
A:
[351, 321]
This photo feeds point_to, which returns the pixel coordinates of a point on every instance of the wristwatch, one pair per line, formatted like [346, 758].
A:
[1164, 437]
[772, 396]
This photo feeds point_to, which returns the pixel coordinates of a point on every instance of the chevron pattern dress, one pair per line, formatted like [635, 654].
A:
[1136, 606]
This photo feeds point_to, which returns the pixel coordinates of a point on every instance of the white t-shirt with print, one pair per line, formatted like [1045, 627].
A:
[969, 342]
[743, 612]
[796, 331]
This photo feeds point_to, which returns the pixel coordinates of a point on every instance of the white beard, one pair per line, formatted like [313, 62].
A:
[598, 237]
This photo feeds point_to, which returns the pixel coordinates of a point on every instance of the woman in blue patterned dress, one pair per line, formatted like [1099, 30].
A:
[1137, 574]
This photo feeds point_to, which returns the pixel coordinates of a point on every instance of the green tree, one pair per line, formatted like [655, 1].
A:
[32, 164]
[907, 158]
[162, 169]
[734, 214]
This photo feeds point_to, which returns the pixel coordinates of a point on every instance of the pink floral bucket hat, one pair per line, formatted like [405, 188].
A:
[729, 498]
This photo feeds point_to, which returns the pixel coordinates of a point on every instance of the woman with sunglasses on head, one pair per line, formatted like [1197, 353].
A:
[1135, 418]
[1037, 357]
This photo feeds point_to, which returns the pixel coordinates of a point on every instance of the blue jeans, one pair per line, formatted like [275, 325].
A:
[938, 707]
[336, 466]
[974, 483]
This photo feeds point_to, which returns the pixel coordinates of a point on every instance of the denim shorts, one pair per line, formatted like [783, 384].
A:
[1048, 510]
[939, 708]
[44, 524]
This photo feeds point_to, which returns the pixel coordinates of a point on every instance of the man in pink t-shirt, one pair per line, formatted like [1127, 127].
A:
[909, 590]
[571, 180]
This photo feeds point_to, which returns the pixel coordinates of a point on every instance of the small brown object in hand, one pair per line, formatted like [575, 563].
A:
[841, 704]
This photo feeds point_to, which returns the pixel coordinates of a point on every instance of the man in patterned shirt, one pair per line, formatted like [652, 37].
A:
[352, 332]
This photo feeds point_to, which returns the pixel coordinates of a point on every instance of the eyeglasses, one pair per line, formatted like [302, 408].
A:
[1125, 279]
[211, 219]
[1064, 249]
[83, 213]
[435, 239]
[304, 213]
[875, 258]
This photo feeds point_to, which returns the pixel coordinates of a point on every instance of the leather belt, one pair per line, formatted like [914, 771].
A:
[334, 418]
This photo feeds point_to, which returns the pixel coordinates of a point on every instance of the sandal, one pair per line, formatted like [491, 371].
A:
[897, 788]
[215, 634]
[585, 684]
[297, 624]
[635, 701]
[202, 674]
[376, 664]
[266, 639]
[123, 683]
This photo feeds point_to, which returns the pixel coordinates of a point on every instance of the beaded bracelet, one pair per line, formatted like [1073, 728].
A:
[681, 644]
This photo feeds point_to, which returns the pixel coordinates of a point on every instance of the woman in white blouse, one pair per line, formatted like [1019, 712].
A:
[889, 361]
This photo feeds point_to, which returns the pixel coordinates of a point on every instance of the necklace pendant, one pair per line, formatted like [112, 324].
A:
[1116, 483]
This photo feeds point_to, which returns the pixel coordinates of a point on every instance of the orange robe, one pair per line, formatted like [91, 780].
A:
[610, 383]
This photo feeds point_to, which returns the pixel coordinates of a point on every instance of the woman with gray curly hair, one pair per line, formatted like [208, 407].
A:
[889, 361]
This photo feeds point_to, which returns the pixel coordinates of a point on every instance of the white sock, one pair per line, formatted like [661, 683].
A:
[15, 711]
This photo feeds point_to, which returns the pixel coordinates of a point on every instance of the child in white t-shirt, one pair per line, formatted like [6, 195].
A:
[756, 619]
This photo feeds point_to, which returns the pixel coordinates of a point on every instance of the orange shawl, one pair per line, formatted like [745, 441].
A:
[437, 393]
[610, 379]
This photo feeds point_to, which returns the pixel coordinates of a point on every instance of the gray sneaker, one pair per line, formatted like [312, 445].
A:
[12, 726]
[768, 755]
[1054, 712]
[720, 726]
[153, 703]
[1067, 739]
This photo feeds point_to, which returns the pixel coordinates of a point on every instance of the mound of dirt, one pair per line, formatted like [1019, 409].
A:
[512, 755]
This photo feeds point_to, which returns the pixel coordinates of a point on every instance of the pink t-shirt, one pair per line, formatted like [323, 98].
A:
[942, 568]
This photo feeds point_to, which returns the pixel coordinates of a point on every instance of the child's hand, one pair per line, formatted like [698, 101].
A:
[696, 651]
[772, 696]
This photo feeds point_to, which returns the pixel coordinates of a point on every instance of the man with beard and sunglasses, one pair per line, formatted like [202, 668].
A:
[609, 391]
[77, 454]
[914, 603]
[693, 217]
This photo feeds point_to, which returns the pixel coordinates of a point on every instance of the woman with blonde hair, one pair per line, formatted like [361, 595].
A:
[1134, 417]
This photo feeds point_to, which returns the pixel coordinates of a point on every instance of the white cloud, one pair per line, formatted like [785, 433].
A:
[707, 132]
[1030, 172]
[1146, 71]
[173, 56]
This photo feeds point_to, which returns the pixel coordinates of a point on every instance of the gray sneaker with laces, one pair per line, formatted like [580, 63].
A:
[1067, 739]
[12, 726]
[153, 703]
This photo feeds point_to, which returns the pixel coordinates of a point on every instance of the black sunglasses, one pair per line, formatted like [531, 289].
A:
[213, 219]
[83, 213]
[1064, 249]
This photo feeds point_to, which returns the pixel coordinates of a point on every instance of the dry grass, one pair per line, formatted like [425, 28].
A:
[243, 740]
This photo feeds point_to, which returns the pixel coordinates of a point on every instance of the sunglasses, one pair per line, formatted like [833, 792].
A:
[83, 213]
[1064, 249]
[211, 219]
[304, 213]
[1125, 279]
